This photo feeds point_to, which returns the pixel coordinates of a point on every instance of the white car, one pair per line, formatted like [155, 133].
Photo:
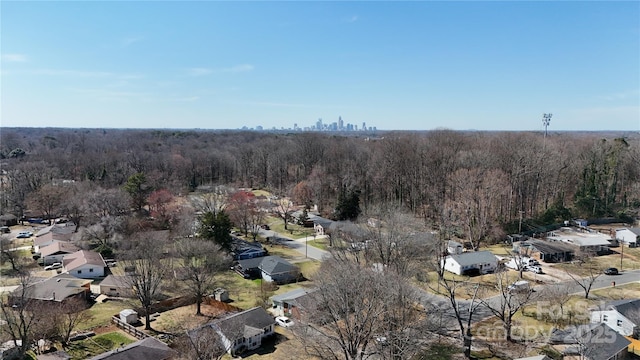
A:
[284, 321]
[53, 266]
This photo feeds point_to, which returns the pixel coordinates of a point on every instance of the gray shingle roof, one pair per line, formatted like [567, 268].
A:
[146, 349]
[474, 257]
[268, 264]
[56, 288]
[628, 308]
[245, 324]
[599, 341]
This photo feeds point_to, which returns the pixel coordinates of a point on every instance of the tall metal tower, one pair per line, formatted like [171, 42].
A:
[546, 119]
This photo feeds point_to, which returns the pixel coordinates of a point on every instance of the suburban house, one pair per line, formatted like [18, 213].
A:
[59, 231]
[547, 251]
[321, 225]
[590, 342]
[241, 249]
[84, 264]
[270, 268]
[55, 251]
[57, 289]
[289, 303]
[116, 285]
[243, 331]
[473, 262]
[148, 348]
[623, 316]
[630, 236]
[48, 238]
[8, 220]
[586, 240]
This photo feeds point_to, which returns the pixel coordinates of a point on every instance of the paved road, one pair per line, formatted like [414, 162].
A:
[441, 303]
[300, 245]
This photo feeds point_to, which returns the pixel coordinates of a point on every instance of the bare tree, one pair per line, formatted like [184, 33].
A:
[200, 344]
[200, 260]
[451, 288]
[283, 210]
[212, 202]
[589, 268]
[393, 239]
[351, 310]
[508, 301]
[67, 316]
[148, 273]
[11, 255]
[556, 297]
[48, 199]
[21, 316]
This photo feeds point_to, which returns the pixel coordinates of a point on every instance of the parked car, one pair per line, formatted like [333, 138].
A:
[53, 266]
[5, 229]
[519, 286]
[284, 321]
[265, 227]
[534, 269]
[24, 234]
[611, 271]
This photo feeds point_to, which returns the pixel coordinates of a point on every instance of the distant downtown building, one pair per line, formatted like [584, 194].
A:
[320, 126]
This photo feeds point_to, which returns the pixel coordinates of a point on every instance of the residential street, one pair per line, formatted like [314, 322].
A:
[604, 281]
[297, 244]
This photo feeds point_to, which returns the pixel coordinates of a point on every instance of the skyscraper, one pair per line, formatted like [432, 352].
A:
[340, 123]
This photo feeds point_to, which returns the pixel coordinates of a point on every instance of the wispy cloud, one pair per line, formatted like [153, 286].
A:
[238, 68]
[352, 19]
[199, 71]
[85, 74]
[202, 71]
[273, 104]
[623, 95]
[78, 73]
[187, 99]
[131, 40]
[15, 58]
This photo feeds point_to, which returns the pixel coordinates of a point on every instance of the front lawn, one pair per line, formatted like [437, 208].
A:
[93, 346]
[101, 313]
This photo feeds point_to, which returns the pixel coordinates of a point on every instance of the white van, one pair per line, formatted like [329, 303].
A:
[519, 286]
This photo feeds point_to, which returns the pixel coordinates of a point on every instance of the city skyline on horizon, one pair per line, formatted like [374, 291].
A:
[486, 66]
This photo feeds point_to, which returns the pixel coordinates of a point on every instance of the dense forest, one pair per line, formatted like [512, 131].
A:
[517, 180]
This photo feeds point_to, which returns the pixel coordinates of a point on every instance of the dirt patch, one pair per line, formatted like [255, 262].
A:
[105, 329]
[184, 317]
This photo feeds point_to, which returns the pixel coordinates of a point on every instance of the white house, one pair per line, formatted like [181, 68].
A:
[629, 236]
[55, 251]
[84, 264]
[623, 316]
[242, 331]
[584, 238]
[482, 262]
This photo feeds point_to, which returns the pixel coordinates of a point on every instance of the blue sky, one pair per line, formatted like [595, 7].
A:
[395, 65]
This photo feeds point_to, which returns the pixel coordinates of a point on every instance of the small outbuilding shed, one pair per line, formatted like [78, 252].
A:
[129, 316]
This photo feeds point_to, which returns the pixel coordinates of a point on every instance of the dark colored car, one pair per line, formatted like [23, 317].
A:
[611, 271]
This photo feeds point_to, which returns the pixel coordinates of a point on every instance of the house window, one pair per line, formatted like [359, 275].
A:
[79, 271]
[605, 318]
[112, 289]
[619, 323]
[91, 270]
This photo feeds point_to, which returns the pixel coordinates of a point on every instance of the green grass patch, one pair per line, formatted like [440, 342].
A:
[308, 268]
[322, 244]
[498, 249]
[89, 347]
[101, 313]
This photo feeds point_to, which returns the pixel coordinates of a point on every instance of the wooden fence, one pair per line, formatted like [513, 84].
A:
[129, 328]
